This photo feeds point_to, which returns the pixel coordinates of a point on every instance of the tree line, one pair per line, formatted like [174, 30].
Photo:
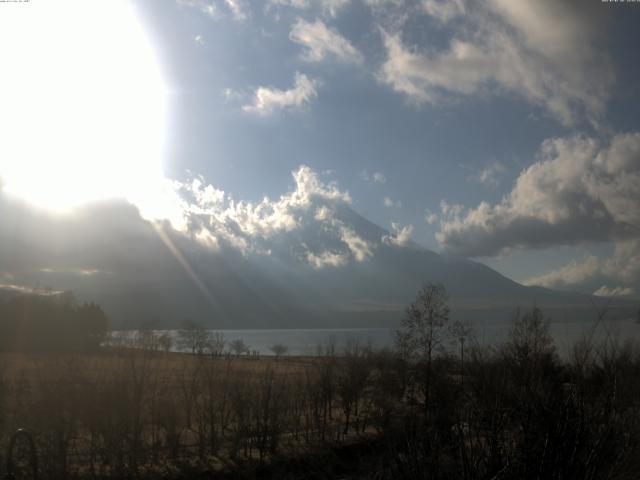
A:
[439, 405]
[50, 321]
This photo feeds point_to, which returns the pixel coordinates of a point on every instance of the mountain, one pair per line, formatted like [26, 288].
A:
[334, 269]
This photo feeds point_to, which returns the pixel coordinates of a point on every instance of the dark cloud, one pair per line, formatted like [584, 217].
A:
[579, 190]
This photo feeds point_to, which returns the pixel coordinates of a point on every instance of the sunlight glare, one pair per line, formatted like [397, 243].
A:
[82, 106]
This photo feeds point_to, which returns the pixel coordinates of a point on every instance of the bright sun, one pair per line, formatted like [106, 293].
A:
[82, 104]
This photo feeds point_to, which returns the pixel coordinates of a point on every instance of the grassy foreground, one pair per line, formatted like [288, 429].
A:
[123, 413]
[465, 412]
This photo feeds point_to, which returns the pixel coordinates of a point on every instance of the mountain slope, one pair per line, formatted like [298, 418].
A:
[146, 274]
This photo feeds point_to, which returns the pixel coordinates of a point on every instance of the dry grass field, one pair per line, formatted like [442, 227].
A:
[124, 411]
[417, 413]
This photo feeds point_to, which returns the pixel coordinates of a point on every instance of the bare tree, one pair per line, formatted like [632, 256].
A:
[424, 331]
[279, 350]
[352, 379]
[216, 344]
[165, 341]
[530, 341]
[193, 337]
[238, 347]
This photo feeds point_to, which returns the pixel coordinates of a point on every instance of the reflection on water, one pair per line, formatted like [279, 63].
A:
[306, 341]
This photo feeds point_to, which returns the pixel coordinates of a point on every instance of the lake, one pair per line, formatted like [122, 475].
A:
[306, 341]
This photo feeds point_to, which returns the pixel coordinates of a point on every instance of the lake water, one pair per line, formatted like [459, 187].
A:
[306, 341]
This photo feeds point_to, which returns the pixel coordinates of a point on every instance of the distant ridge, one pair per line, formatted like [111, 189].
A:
[137, 280]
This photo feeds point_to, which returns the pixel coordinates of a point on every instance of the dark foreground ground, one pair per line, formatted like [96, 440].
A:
[460, 412]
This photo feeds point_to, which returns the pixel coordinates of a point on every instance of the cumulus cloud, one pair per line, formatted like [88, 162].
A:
[592, 274]
[430, 217]
[578, 190]
[543, 51]
[326, 259]
[305, 215]
[622, 268]
[268, 99]
[401, 235]
[321, 42]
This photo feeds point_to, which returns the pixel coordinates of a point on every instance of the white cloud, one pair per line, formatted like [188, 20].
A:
[375, 177]
[291, 3]
[401, 236]
[379, 177]
[389, 202]
[323, 213]
[231, 95]
[574, 273]
[332, 7]
[239, 9]
[382, 3]
[579, 190]
[212, 217]
[450, 211]
[328, 7]
[241, 223]
[489, 175]
[321, 42]
[621, 268]
[198, 39]
[430, 217]
[444, 10]
[605, 291]
[268, 99]
[359, 247]
[208, 7]
[544, 51]
[327, 259]
[207, 196]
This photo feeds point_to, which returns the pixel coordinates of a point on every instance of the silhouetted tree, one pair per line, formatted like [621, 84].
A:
[193, 337]
[238, 347]
[216, 344]
[279, 350]
[424, 331]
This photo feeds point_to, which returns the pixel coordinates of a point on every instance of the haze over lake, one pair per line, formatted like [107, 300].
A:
[306, 341]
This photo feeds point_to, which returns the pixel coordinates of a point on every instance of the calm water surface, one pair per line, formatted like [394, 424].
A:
[306, 341]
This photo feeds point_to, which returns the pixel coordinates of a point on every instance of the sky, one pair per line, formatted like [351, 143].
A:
[503, 131]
